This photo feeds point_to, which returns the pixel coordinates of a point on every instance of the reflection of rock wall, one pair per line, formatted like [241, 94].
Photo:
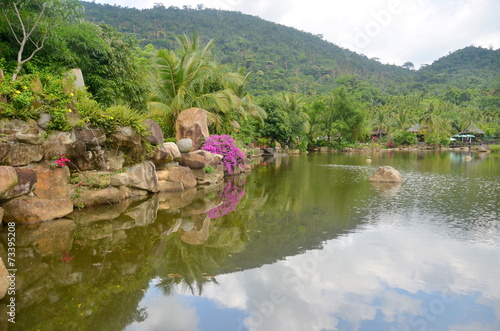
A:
[83, 262]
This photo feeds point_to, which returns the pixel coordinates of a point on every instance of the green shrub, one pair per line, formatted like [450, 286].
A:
[437, 139]
[404, 137]
[92, 114]
[495, 148]
[123, 115]
[19, 99]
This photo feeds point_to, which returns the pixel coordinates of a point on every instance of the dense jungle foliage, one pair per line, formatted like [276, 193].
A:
[259, 81]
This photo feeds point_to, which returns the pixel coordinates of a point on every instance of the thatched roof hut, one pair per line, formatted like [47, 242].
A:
[415, 129]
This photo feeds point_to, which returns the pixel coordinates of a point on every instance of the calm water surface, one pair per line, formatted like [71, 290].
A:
[302, 243]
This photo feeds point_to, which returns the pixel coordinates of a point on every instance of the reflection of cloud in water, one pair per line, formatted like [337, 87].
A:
[384, 274]
[166, 313]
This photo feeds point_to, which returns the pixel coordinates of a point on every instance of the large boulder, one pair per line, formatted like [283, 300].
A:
[166, 153]
[8, 179]
[91, 136]
[84, 196]
[27, 209]
[210, 178]
[14, 154]
[155, 133]
[85, 160]
[115, 160]
[182, 175]
[52, 182]
[73, 81]
[200, 159]
[386, 174]
[142, 176]
[26, 180]
[125, 136]
[167, 186]
[192, 123]
[21, 131]
[58, 143]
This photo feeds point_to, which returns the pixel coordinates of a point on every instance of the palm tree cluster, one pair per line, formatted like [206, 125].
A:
[191, 78]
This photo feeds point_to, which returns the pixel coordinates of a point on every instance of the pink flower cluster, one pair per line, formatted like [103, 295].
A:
[231, 196]
[225, 146]
[62, 160]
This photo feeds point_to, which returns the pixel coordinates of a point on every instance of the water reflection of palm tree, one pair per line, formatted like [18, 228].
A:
[196, 265]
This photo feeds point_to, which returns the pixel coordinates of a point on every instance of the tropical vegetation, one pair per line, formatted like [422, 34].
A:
[259, 82]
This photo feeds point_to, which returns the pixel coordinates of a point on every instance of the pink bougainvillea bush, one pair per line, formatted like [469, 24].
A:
[225, 146]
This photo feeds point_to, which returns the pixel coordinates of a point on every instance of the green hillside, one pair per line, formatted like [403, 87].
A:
[285, 59]
[281, 58]
[258, 81]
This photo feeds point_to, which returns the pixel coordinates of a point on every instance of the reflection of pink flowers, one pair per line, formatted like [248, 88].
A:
[61, 161]
[231, 196]
[67, 258]
[225, 146]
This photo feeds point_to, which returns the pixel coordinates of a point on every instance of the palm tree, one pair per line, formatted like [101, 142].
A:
[324, 118]
[297, 115]
[248, 105]
[435, 117]
[192, 79]
[470, 119]
[380, 121]
[402, 119]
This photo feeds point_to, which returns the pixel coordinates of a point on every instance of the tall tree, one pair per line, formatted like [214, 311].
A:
[277, 125]
[349, 121]
[192, 79]
[470, 119]
[294, 106]
[32, 21]
[434, 117]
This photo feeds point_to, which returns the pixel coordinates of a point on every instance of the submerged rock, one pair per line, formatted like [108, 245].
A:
[386, 174]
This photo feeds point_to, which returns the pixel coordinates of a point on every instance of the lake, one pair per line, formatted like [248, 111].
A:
[301, 243]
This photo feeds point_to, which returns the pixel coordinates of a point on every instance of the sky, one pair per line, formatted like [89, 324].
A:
[393, 31]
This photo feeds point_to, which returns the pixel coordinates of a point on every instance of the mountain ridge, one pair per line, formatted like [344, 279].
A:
[283, 58]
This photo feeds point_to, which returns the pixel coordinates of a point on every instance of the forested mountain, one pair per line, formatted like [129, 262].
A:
[281, 58]
[257, 80]
[285, 59]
